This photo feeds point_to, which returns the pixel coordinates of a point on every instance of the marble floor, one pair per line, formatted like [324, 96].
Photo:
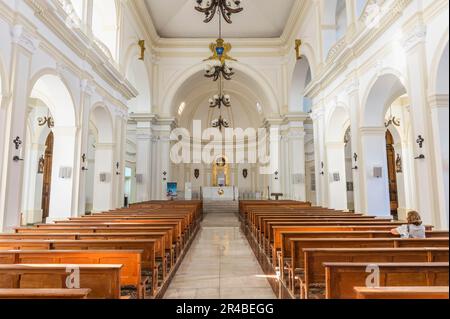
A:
[220, 265]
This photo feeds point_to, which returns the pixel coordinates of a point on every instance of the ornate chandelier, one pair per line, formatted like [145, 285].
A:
[219, 101]
[217, 71]
[220, 123]
[225, 8]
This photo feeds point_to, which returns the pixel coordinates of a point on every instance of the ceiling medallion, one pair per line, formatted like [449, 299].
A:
[220, 51]
[225, 8]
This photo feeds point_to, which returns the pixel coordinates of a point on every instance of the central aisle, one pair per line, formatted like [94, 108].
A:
[220, 265]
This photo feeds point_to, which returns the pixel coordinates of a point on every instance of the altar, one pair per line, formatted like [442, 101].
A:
[221, 193]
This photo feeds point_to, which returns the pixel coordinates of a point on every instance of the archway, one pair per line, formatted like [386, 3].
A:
[439, 104]
[45, 167]
[137, 74]
[298, 102]
[334, 23]
[105, 25]
[103, 158]
[387, 157]
[51, 110]
[338, 125]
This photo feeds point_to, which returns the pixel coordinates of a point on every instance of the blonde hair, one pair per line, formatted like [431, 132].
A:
[414, 218]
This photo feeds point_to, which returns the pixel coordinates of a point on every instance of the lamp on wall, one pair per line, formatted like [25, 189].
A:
[355, 157]
[117, 168]
[298, 44]
[420, 140]
[83, 160]
[18, 146]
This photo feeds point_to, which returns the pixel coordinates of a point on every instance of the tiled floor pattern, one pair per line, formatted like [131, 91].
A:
[220, 265]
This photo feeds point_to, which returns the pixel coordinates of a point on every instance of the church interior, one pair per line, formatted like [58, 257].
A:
[224, 149]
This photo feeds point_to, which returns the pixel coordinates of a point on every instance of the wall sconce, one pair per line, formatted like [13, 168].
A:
[18, 145]
[117, 168]
[83, 159]
[165, 174]
[378, 172]
[322, 166]
[276, 175]
[420, 140]
[355, 157]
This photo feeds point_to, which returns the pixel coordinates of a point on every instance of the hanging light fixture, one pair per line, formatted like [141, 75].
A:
[392, 120]
[225, 8]
[220, 123]
[216, 71]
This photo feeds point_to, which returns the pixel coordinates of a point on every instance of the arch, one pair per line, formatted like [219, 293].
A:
[270, 103]
[301, 77]
[105, 24]
[52, 89]
[439, 77]
[138, 75]
[101, 118]
[382, 92]
[334, 14]
[338, 123]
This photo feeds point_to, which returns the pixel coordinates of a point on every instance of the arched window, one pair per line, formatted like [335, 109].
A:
[341, 19]
[104, 24]
[78, 7]
[360, 6]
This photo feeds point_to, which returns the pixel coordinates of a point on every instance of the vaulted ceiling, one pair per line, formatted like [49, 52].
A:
[260, 19]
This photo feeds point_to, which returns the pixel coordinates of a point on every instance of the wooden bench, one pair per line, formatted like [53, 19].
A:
[402, 293]
[103, 280]
[149, 248]
[130, 275]
[18, 294]
[342, 278]
[313, 272]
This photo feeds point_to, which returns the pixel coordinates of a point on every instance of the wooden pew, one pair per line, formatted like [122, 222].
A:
[130, 260]
[283, 253]
[54, 294]
[149, 248]
[313, 271]
[342, 278]
[103, 280]
[402, 293]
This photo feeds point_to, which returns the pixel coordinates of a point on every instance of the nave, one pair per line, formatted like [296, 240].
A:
[220, 265]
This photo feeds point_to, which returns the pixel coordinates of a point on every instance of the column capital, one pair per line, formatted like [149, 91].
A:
[353, 86]
[438, 101]
[87, 87]
[20, 37]
[416, 36]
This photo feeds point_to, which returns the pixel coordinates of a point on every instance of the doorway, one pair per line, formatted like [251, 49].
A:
[47, 181]
[392, 174]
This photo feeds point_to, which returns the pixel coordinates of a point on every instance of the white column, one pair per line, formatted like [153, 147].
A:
[275, 159]
[373, 141]
[87, 91]
[353, 92]
[336, 165]
[165, 165]
[439, 113]
[32, 203]
[297, 178]
[23, 47]
[144, 140]
[61, 200]
[426, 187]
[320, 156]
[153, 168]
[103, 189]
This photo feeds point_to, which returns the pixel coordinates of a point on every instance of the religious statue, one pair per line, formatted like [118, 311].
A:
[399, 164]
[41, 165]
[141, 44]
[298, 44]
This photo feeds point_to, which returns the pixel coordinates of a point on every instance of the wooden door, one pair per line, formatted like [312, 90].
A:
[46, 189]
[392, 173]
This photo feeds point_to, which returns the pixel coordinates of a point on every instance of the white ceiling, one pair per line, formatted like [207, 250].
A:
[260, 19]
